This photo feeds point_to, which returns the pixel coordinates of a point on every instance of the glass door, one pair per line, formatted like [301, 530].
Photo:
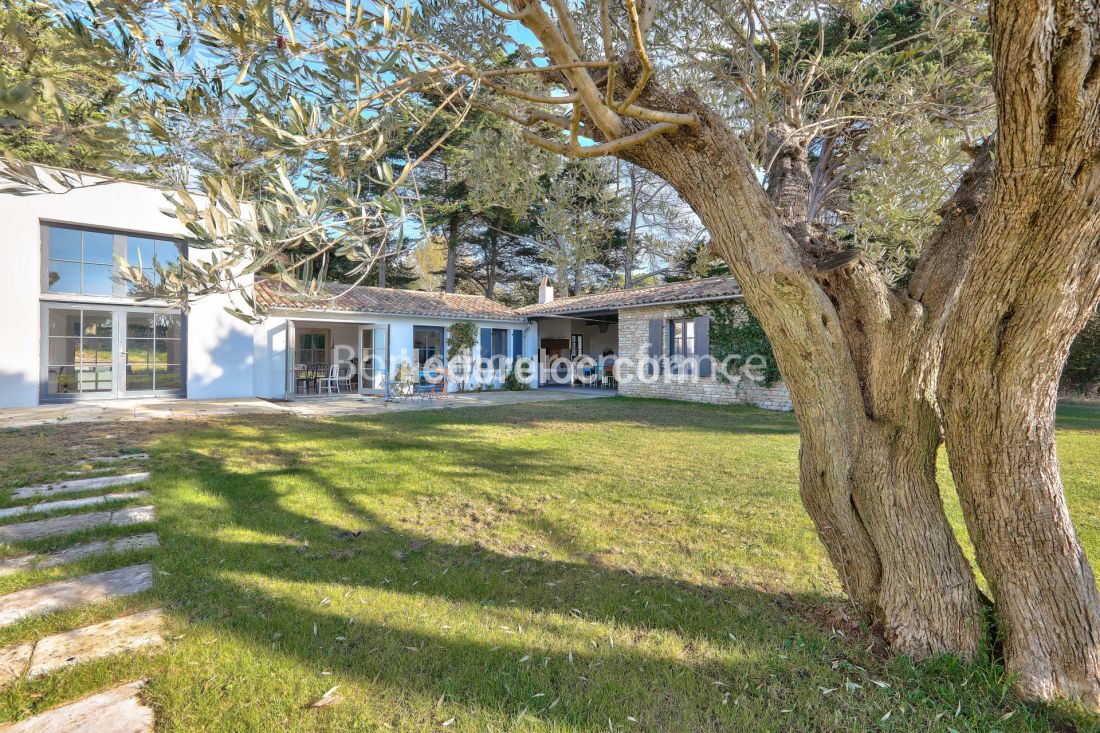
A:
[80, 352]
[153, 353]
[111, 351]
[372, 358]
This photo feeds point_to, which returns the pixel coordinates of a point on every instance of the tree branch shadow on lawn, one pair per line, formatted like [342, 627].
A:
[678, 644]
[382, 557]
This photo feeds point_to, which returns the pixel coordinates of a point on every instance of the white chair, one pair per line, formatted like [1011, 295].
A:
[331, 383]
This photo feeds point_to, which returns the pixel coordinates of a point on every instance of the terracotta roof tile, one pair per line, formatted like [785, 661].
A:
[384, 301]
[711, 288]
[334, 297]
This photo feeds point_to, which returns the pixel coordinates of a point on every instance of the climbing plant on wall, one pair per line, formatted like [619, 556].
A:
[461, 339]
[735, 332]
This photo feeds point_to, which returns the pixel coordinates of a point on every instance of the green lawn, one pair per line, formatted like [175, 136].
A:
[600, 565]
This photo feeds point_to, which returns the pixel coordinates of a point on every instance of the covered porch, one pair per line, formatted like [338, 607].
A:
[329, 358]
[587, 340]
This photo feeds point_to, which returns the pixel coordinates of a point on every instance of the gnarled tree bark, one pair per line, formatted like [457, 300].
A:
[1031, 281]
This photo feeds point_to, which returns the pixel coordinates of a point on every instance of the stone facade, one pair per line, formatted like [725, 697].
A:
[634, 344]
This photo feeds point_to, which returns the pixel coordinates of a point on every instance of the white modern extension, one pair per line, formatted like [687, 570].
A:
[71, 327]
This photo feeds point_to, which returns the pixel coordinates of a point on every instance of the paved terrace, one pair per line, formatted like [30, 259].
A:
[138, 410]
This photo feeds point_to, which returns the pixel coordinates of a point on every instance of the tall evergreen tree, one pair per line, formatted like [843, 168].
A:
[58, 98]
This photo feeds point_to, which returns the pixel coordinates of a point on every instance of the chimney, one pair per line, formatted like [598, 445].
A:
[546, 291]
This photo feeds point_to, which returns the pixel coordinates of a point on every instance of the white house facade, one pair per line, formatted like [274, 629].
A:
[73, 329]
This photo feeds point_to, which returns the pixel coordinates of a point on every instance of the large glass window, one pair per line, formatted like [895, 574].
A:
[427, 345]
[80, 351]
[154, 352]
[85, 261]
[313, 347]
[151, 256]
[372, 358]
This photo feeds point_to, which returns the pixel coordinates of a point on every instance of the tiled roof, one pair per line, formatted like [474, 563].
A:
[384, 301]
[711, 288]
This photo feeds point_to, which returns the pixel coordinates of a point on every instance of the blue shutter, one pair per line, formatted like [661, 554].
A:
[486, 343]
[702, 345]
[656, 334]
[517, 343]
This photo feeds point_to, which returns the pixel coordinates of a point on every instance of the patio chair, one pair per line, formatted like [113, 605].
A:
[343, 378]
[330, 383]
[302, 379]
[400, 388]
[433, 384]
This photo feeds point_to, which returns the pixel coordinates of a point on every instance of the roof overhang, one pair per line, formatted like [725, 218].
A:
[348, 315]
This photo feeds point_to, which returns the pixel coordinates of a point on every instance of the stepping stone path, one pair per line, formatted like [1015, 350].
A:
[70, 648]
[81, 484]
[22, 563]
[68, 524]
[15, 607]
[115, 711]
[51, 506]
[119, 710]
[112, 464]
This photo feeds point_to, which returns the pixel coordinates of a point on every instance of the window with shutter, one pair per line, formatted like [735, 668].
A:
[702, 346]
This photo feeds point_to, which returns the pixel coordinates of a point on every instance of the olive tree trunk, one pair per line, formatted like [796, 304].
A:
[867, 456]
[999, 394]
[976, 341]
[1019, 309]
[1030, 282]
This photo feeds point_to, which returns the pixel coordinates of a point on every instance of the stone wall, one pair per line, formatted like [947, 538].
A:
[634, 344]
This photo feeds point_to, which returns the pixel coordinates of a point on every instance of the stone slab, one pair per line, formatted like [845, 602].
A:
[14, 661]
[118, 710]
[57, 526]
[120, 458]
[101, 471]
[80, 484]
[15, 607]
[12, 565]
[116, 636]
[52, 506]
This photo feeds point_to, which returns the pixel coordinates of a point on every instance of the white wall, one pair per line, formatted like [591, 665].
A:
[220, 349]
[118, 205]
[270, 340]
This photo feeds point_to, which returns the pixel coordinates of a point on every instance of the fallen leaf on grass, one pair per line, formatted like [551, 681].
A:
[329, 698]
